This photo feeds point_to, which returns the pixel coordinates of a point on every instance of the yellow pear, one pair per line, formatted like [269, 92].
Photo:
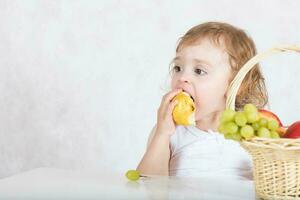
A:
[184, 111]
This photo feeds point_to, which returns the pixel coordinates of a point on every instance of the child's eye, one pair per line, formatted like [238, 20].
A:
[200, 71]
[177, 68]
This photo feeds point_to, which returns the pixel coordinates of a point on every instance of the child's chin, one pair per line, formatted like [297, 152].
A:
[198, 116]
[201, 115]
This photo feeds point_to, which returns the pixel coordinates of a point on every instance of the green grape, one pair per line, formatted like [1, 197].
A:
[227, 115]
[231, 127]
[255, 126]
[236, 136]
[274, 134]
[273, 125]
[247, 131]
[133, 175]
[252, 117]
[222, 128]
[250, 108]
[263, 132]
[263, 122]
[240, 119]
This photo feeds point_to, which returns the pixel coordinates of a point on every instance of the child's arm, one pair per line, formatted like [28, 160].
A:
[157, 156]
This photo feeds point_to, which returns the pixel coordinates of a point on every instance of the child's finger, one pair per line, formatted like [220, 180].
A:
[167, 98]
[171, 107]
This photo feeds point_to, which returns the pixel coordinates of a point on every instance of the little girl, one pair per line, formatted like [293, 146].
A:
[207, 58]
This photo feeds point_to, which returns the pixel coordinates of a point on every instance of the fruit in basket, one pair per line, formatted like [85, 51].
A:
[275, 134]
[264, 132]
[247, 132]
[252, 117]
[250, 122]
[227, 115]
[273, 125]
[293, 131]
[251, 113]
[233, 136]
[231, 128]
[250, 108]
[184, 111]
[133, 175]
[255, 126]
[240, 118]
[263, 122]
[269, 116]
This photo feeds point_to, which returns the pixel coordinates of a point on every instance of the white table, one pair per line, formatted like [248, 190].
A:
[50, 183]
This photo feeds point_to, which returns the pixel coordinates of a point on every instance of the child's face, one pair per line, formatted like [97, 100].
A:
[203, 71]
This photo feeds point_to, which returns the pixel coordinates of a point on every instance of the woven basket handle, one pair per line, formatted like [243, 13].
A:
[236, 82]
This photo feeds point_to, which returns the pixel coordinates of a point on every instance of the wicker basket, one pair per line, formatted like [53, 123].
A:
[276, 161]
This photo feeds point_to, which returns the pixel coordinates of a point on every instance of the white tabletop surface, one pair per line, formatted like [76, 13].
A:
[51, 183]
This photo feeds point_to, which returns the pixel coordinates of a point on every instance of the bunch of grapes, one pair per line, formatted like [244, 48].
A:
[246, 124]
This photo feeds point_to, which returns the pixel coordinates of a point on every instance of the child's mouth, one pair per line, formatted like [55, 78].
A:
[189, 95]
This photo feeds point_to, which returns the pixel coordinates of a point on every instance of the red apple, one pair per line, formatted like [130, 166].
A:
[282, 130]
[269, 115]
[293, 131]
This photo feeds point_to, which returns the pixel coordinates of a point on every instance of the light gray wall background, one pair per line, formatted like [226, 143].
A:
[80, 81]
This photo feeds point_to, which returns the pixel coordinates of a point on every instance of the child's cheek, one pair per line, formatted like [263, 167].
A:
[173, 83]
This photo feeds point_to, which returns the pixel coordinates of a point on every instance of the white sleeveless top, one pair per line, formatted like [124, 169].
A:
[195, 152]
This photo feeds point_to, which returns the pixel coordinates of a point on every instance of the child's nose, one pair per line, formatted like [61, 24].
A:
[185, 78]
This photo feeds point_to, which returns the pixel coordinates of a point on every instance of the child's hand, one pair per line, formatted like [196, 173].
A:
[165, 123]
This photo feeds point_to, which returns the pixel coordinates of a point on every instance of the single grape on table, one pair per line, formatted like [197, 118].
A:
[133, 175]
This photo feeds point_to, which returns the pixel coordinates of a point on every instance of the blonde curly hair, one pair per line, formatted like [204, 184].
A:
[240, 48]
